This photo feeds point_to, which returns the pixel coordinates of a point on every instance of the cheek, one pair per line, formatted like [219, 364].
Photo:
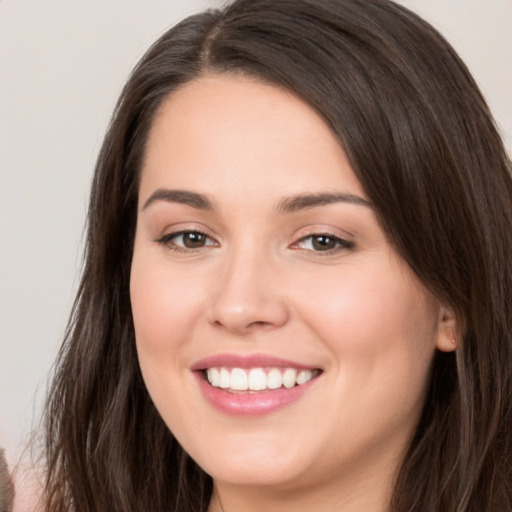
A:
[380, 325]
[165, 306]
[164, 303]
[380, 329]
[369, 304]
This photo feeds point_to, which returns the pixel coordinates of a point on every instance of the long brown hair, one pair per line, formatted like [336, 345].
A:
[422, 142]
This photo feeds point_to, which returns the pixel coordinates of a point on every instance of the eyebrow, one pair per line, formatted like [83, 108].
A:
[306, 201]
[193, 199]
[286, 205]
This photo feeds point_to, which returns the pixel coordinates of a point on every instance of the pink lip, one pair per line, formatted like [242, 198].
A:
[247, 361]
[249, 403]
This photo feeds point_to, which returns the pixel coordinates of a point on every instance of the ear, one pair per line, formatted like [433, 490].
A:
[447, 329]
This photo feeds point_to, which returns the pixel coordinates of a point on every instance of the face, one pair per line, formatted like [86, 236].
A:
[280, 336]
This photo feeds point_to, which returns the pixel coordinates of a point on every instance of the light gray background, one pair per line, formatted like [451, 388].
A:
[62, 65]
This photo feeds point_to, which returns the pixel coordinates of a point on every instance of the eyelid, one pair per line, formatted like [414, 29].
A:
[175, 234]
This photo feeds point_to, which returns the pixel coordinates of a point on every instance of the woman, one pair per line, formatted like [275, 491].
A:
[297, 276]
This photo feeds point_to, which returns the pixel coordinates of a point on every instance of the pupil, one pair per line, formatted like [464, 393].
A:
[323, 243]
[193, 240]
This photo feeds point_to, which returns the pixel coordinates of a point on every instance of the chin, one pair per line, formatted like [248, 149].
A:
[264, 474]
[257, 464]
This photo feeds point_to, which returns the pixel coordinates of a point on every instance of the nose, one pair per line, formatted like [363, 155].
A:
[247, 296]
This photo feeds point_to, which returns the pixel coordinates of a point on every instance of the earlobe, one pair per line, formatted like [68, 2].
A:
[447, 337]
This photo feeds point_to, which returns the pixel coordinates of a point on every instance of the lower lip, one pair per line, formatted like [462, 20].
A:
[251, 404]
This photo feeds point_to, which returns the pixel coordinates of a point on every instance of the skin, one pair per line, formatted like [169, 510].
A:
[259, 285]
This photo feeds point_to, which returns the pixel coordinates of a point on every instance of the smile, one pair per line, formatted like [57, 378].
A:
[258, 379]
[253, 385]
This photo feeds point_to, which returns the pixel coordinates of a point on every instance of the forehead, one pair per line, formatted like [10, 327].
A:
[225, 131]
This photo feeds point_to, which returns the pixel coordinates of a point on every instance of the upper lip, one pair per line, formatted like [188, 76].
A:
[247, 361]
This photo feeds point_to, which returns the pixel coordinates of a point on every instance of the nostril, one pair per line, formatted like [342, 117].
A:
[259, 323]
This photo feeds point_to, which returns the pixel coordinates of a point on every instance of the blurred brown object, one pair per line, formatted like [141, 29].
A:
[6, 486]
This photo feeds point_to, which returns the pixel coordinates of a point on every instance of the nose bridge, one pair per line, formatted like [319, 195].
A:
[247, 293]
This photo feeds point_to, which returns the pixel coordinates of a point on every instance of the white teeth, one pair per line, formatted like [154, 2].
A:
[289, 377]
[224, 379]
[303, 376]
[274, 379]
[213, 377]
[257, 379]
[239, 380]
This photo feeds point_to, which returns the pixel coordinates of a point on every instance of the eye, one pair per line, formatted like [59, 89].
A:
[186, 240]
[323, 242]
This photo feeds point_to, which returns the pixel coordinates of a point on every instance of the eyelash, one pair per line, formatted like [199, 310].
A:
[168, 240]
[340, 243]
